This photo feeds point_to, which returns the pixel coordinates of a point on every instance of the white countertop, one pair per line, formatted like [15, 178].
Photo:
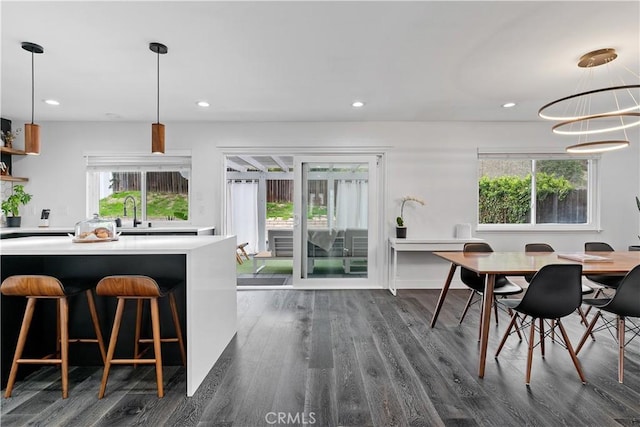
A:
[71, 229]
[124, 245]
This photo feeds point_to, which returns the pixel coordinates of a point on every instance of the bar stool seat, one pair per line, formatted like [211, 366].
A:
[140, 288]
[35, 287]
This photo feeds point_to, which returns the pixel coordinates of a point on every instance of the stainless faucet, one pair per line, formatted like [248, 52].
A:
[135, 208]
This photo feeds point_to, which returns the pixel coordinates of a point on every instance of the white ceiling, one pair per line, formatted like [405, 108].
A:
[305, 61]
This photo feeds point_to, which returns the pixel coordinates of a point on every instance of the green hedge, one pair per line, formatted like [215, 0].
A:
[507, 199]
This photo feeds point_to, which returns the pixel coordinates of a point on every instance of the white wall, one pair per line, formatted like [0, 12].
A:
[436, 161]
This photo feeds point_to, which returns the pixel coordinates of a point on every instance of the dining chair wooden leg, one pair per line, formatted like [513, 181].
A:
[621, 326]
[512, 323]
[96, 323]
[112, 346]
[574, 358]
[22, 339]
[532, 334]
[495, 309]
[512, 313]
[595, 296]
[64, 344]
[588, 331]
[584, 321]
[466, 307]
[176, 323]
[541, 336]
[157, 345]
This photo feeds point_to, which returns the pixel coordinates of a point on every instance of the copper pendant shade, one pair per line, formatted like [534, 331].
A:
[32, 138]
[157, 138]
[157, 129]
[32, 130]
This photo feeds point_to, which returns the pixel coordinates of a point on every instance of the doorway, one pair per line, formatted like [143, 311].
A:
[312, 218]
[336, 221]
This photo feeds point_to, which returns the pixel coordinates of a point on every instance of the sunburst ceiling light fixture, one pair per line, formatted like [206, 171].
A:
[601, 110]
[157, 128]
[32, 130]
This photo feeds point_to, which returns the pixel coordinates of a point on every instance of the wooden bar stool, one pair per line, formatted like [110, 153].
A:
[35, 287]
[240, 252]
[139, 288]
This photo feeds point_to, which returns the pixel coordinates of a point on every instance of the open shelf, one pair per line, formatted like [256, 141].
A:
[13, 151]
[13, 178]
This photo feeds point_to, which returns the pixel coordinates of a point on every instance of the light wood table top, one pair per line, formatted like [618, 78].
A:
[519, 263]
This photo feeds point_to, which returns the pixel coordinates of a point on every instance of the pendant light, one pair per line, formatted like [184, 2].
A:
[32, 130]
[157, 128]
[591, 111]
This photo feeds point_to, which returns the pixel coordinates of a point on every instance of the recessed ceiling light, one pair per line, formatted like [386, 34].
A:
[357, 104]
[202, 104]
[51, 102]
[508, 105]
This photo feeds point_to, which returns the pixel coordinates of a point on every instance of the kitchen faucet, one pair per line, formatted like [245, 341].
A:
[135, 208]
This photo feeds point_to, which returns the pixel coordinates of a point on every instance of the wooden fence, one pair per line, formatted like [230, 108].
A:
[158, 182]
[281, 191]
[570, 210]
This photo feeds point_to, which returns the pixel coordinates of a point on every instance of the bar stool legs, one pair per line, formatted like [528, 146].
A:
[34, 287]
[139, 288]
[176, 322]
[156, 340]
[22, 339]
[173, 305]
[96, 325]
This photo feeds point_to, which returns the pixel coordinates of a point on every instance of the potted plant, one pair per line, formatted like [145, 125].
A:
[8, 137]
[636, 247]
[401, 228]
[11, 206]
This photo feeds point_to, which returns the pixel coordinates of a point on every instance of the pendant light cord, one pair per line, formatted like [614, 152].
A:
[158, 91]
[32, 87]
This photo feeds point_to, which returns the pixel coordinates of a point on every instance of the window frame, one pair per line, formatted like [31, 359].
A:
[593, 190]
[135, 162]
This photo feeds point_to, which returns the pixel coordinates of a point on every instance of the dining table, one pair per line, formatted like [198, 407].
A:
[493, 264]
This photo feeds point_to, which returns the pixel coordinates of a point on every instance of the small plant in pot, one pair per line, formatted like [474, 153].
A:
[401, 229]
[11, 206]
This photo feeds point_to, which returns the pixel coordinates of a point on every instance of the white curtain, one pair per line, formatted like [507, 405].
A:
[351, 204]
[242, 212]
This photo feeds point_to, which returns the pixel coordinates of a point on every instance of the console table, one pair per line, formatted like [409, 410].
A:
[419, 245]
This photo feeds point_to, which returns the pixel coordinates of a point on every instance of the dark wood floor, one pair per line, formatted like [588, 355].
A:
[351, 358]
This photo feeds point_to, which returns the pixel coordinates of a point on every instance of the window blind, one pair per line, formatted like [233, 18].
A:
[141, 162]
[532, 154]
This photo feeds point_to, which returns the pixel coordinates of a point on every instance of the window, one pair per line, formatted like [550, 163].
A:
[158, 185]
[536, 191]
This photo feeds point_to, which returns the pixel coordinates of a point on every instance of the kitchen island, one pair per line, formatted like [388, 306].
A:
[207, 300]
[190, 230]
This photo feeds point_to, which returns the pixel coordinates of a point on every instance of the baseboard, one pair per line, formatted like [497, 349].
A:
[428, 284]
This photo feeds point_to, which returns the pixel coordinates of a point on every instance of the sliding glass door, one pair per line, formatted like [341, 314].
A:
[336, 223]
